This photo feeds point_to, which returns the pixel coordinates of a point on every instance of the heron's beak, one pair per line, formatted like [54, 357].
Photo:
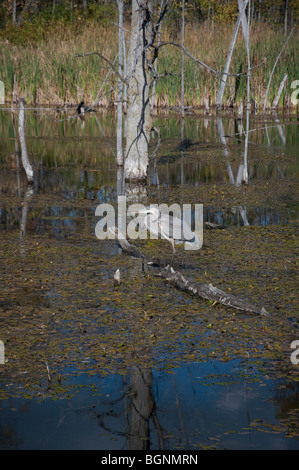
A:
[141, 211]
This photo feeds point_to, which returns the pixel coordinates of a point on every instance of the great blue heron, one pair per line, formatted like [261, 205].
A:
[173, 229]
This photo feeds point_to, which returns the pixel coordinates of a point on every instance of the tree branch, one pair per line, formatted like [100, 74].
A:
[124, 80]
[265, 101]
[166, 43]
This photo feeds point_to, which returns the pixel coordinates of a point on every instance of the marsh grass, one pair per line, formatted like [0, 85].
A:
[48, 72]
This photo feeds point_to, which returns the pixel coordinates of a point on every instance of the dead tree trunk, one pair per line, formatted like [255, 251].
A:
[138, 91]
[280, 89]
[119, 152]
[274, 66]
[229, 56]
[25, 9]
[156, 64]
[25, 160]
[14, 12]
[245, 28]
[286, 18]
[183, 61]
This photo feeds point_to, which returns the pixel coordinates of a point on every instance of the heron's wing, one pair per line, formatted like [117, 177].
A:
[152, 225]
[177, 229]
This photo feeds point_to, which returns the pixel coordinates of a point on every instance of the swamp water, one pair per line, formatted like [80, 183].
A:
[142, 365]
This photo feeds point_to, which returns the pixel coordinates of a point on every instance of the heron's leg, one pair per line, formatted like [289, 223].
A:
[173, 251]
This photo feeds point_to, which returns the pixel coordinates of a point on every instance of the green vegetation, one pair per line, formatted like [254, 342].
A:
[37, 58]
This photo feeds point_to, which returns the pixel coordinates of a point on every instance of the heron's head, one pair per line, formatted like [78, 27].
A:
[150, 210]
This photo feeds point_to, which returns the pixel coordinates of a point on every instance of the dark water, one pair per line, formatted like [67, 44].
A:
[211, 404]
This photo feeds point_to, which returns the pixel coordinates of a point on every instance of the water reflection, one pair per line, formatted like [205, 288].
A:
[74, 164]
[199, 405]
[63, 222]
[209, 405]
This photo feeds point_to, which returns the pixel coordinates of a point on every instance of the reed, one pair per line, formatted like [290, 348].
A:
[47, 71]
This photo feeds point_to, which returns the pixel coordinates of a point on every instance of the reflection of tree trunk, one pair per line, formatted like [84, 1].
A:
[280, 130]
[243, 213]
[120, 181]
[154, 175]
[27, 197]
[225, 149]
[182, 152]
[138, 111]
[17, 152]
[141, 408]
[267, 134]
[180, 414]
[25, 160]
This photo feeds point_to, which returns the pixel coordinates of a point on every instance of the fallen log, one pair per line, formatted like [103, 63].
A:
[208, 292]
[210, 225]
[125, 245]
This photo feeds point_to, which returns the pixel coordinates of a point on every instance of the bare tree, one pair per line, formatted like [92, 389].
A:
[280, 89]
[245, 29]
[119, 153]
[183, 60]
[229, 56]
[25, 8]
[156, 62]
[14, 12]
[138, 78]
[286, 17]
[138, 91]
[274, 66]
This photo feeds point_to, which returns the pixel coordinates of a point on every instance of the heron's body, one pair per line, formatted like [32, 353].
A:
[173, 229]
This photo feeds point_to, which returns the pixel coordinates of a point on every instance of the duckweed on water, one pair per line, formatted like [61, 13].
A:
[60, 307]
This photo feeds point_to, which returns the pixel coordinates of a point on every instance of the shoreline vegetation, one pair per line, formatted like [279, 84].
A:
[38, 62]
